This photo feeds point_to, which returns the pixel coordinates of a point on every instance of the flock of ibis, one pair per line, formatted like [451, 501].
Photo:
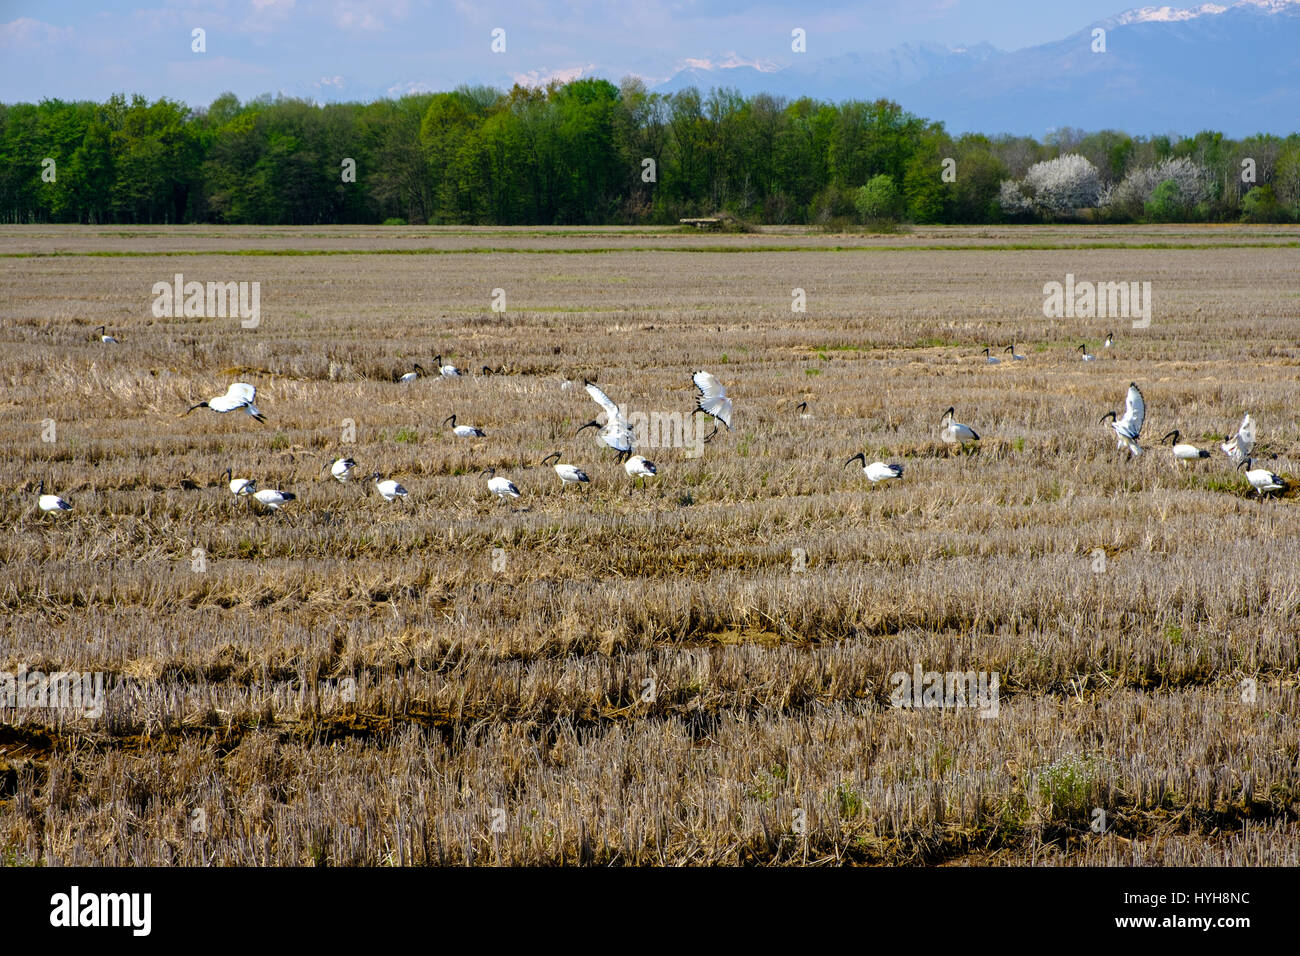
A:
[617, 433]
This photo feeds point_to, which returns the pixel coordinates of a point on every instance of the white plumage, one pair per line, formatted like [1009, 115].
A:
[713, 398]
[877, 470]
[1182, 450]
[447, 371]
[239, 395]
[1110, 339]
[501, 487]
[616, 432]
[342, 468]
[569, 474]
[1239, 446]
[953, 432]
[50, 503]
[638, 466]
[104, 336]
[273, 499]
[1129, 427]
[464, 431]
[239, 486]
[411, 376]
[390, 489]
[1015, 357]
[1261, 479]
[991, 359]
[1087, 356]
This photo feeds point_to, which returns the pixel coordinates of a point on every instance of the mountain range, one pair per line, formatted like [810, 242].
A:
[1230, 67]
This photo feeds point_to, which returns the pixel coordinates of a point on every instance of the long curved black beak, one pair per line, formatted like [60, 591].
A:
[554, 454]
[1110, 415]
[591, 424]
[450, 418]
[858, 457]
[199, 405]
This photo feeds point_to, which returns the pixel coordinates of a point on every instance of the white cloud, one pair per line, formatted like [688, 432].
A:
[543, 77]
[26, 33]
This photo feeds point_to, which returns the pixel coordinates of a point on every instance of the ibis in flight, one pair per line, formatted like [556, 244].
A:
[1129, 427]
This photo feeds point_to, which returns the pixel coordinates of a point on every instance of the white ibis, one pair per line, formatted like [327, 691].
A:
[991, 359]
[503, 488]
[1183, 451]
[50, 503]
[616, 432]
[239, 395]
[1129, 427]
[416, 371]
[569, 474]
[877, 470]
[1261, 479]
[239, 486]
[447, 371]
[342, 468]
[1239, 446]
[713, 398]
[953, 432]
[390, 489]
[104, 336]
[1086, 356]
[464, 431]
[638, 467]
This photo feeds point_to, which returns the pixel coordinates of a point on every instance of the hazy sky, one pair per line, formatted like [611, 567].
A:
[339, 50]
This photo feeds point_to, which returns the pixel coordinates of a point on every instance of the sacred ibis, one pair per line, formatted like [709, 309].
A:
[991, 359]
[342, 468]
[877, 470]
[1086, 356]
[239, 395]
[713, 398]
[50, 503]
[503, 488]
[955, 433]
[1110, 340]
[1261, 479]
[273, 499]
[104, 336]
[804, 413]
[1129, 427]
[1238, 447]
[640, 467]
[390, 489]
[569, 474]
[616, 432]
[447, 371]
[1183, 451]
[1014, 356]
[464, 431]
[417, 371]
[239, 486]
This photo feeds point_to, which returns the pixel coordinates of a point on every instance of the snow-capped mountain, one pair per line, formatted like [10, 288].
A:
[1233, 67]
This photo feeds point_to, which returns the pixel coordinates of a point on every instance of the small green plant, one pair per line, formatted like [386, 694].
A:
[849, 800]
[1067, 784]
[279, 441]
[812, 371]
[406, 436]
[395, 221]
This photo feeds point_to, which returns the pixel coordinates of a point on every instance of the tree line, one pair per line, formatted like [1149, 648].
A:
[590, 152]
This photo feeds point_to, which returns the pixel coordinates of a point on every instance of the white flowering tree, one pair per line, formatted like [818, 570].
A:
[1192, 181]
[1055, 187]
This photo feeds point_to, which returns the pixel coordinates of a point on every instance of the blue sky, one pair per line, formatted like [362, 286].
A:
[339, 50]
